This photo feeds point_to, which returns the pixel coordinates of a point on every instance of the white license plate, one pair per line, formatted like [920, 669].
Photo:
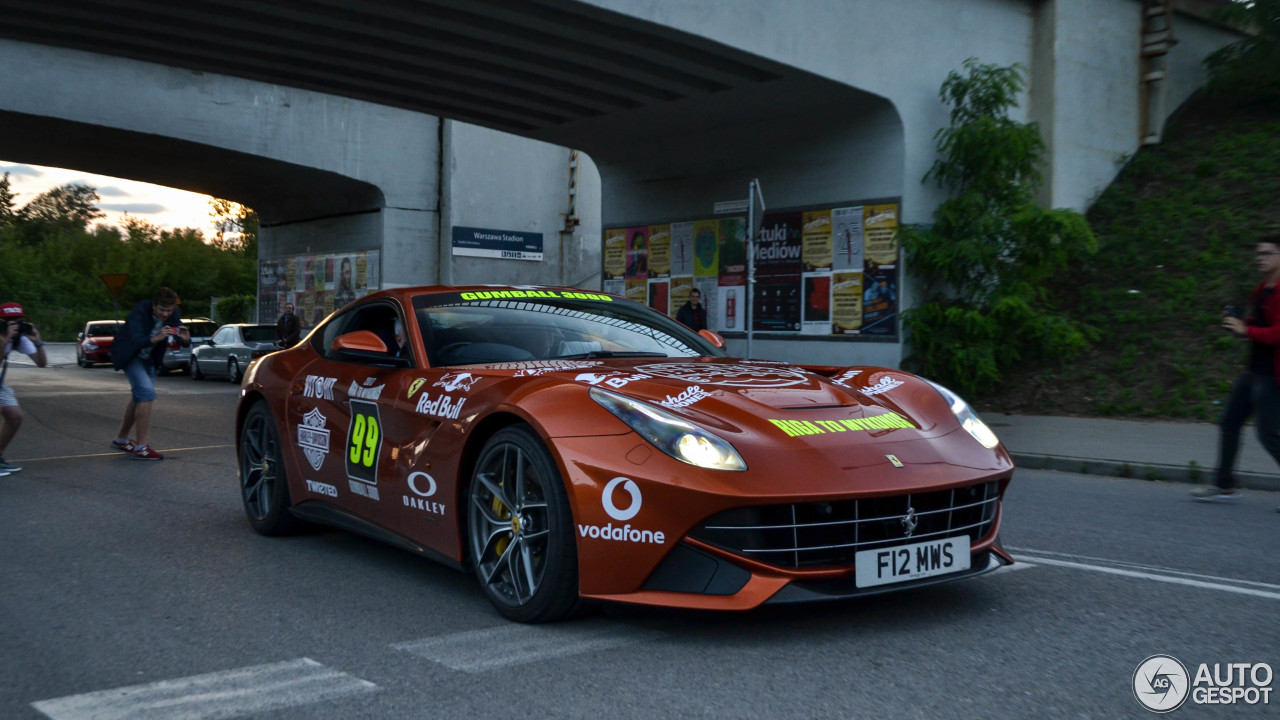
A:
[911, 562]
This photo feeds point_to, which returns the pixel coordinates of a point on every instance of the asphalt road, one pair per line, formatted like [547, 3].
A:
[128, 585]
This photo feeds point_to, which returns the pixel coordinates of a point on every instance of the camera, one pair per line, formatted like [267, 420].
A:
[1233, 311]
[25, 328]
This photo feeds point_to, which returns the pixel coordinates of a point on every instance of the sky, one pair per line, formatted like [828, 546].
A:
[164, 207]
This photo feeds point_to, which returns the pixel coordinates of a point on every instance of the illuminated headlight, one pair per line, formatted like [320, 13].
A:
[968, 418]
[90, 346]
[672, 435]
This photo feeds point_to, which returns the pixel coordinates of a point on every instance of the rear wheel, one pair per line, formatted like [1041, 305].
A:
[195, 369]
[520, 529]
[264, 488]
[233, 371]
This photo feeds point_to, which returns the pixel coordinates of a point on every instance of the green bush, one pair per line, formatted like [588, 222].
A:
[237, 309]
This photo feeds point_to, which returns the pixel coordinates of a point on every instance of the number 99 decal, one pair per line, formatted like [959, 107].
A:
[364, 442]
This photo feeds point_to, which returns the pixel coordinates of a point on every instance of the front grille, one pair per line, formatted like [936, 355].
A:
[831, 533]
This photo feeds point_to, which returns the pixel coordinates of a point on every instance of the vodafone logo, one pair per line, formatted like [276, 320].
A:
[611, 507]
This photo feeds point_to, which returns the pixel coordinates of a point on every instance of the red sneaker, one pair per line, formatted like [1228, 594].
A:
[143, 452]
[125, 447]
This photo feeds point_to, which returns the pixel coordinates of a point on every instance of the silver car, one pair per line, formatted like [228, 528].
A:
[178, 357]
[231, 350]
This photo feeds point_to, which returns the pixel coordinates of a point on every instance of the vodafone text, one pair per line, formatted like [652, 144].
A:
[622, 533]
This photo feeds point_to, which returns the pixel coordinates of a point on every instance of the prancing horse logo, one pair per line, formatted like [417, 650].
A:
[909, 522]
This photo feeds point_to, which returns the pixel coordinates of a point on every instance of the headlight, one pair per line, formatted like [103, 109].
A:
[672, 435]
[90, 346]
[968, 417]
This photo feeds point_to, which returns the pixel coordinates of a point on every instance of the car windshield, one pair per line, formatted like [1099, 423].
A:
[258, 333]
[200, 329]
[518, 325]
[102, 330]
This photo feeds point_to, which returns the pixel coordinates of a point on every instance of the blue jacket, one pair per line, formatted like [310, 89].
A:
[135, 336]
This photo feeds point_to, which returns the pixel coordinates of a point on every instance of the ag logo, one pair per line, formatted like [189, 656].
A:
[1161, 683]
[612, 509]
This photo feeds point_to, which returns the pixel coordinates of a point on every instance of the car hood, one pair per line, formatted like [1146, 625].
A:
[732, 394]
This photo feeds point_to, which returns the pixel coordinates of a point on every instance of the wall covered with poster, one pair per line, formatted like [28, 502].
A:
[316, 284]
[827, 271]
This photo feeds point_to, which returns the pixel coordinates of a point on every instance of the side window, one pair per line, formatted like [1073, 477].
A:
[381, 319]
[222, 337]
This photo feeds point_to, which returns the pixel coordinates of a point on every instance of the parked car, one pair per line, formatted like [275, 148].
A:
[94, 342]
[570, 446]
[232, 350]
[177, 356]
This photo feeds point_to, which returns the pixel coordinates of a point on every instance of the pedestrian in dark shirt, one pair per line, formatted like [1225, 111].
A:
[692, 313]
[1256, 391]
[288, 327]
[137, 350]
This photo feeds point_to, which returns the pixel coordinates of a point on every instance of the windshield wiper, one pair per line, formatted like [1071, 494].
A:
[608, 354]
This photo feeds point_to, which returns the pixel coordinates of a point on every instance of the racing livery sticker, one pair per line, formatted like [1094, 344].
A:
[313, 438]
[622, 532]
[320, 488]
[364, 445]
[845, 377]
[885, 385]
[318, 386]
[729, 375]
[612, 379]
[443, 406]
[367, 393]
[690, 396]
[414, 386]
[423, 486]
[885, 421]
[456, 381]
[533, 295]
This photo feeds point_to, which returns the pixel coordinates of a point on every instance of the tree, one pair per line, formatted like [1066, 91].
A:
[8, 211]
[237, 226]
[1249, 70]
[985, 261]
[73, 203]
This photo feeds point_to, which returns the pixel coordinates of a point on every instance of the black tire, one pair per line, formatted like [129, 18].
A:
[233, 371]
[264, 487]
[195, 369]
[520, 529]
[162, 371]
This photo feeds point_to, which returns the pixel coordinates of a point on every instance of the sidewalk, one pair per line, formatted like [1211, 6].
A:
[1130, 448]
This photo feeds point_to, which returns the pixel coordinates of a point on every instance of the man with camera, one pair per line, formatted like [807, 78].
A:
[137, 350]
[15, 334]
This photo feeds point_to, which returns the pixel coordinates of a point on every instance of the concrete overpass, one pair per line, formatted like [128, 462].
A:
[325, 115]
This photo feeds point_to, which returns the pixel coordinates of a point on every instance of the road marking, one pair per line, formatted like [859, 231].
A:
[1149, 572]
[506, 645]
[226, 694]
[114, 453]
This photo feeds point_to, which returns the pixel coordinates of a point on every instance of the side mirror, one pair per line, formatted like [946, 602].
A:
[80, 336]
[366, 346]
[713, 337]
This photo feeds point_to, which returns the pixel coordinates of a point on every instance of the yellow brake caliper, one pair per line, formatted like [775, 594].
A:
[504, 514]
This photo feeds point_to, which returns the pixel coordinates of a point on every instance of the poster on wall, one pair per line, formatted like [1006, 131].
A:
[778, 247]
[846, 239]
[731, 308]
[706, 248]
[815, 240]
[776, 304]
[846, 303]
[615, 253]
[816, 304]
[681, 249]
[880, 230]
[879, 299]
[710, 300]
[659, 251]
[316, 284]
[638, 290]
[637, 254]
[658, 296]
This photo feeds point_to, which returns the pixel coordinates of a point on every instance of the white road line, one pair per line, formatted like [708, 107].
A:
[1223, 586]
[117, 453]
[1088, 560]
[506, 645]
[226, 694]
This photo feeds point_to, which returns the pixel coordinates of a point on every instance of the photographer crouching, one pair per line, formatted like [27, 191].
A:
[15, 334]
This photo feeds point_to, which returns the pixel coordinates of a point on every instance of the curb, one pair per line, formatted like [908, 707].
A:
[1140, 471]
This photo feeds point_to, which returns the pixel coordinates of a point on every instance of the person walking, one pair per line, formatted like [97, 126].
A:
[15, 334]
[1255, 392]
[692, 313]
[288, 327]
[137, 350]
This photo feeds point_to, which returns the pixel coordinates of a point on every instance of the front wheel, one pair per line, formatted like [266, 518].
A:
[264, 488]
[195, 369]
[520, 529]
[233, 371]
